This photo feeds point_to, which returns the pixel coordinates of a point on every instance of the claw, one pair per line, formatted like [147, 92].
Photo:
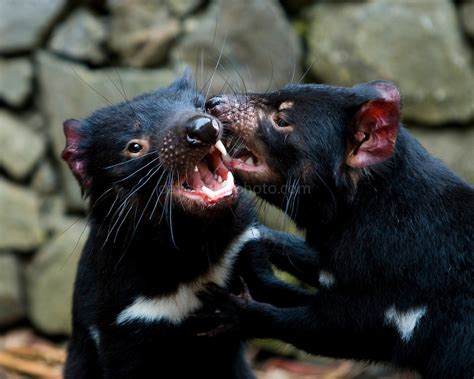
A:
[244, 293]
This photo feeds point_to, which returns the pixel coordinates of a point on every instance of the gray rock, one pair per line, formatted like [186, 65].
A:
[15, 80]
[255, 41]
[45, 180]
[50, 277]
[82, 36]
[141, 31]
[53, 214]
[33, 120]
[418, 45]
[181, 8]
[23, 23]
[79, 91]
[19, 218]
[20, 148]
[453, 146]
[467, 17]
[11, 302]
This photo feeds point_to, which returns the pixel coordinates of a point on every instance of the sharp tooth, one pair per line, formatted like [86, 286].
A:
[230, 179]
[220, 146]
[219, 178]
[250, 161]
[196, 169]
[208, 191]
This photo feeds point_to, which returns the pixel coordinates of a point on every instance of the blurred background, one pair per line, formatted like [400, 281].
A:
[64, 58]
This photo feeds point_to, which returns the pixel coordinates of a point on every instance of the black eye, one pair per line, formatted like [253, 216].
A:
[134, 147]
[281, 122]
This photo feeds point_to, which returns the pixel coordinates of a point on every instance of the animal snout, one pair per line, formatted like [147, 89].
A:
[214, 102]
[217, 105]
[202, 130]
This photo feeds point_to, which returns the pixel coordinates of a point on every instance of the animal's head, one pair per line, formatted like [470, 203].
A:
[309, 134]
[153, 152]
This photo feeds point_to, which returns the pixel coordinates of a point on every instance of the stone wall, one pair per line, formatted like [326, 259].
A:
[65, 58]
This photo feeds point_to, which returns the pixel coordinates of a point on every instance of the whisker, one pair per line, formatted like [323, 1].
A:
[92, 88]
[137, 171]
[216, 66]
[129, 161]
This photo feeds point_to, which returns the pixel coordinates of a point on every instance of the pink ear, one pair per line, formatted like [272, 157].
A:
[70, 153]
[375, 127]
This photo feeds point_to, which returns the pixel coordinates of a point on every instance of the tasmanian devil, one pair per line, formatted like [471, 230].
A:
[393, 226]
[165, 219]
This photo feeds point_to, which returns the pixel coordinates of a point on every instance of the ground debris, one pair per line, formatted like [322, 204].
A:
[25, 355]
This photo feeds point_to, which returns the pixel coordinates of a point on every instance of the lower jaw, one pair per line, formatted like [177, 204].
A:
[197, 204]
[253, 175]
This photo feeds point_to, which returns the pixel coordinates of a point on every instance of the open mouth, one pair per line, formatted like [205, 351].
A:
[245, 160]
[210, 181]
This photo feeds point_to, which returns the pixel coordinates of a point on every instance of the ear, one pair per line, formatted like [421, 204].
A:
[71, 153]
[375, 127]
[186, 80]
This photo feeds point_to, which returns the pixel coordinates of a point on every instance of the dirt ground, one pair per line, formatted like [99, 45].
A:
[24, 355]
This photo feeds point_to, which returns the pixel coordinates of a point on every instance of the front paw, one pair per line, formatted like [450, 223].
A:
[225, 313]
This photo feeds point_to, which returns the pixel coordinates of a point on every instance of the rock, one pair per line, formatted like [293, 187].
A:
[53, 215]
[23, 23]
[20, 148]
[15, 80]
[19, 218]
[82, 36]
[141, 31]
[45, 180]
[49, 280]
[181, 8]
[77, 88]
[11, 302]
[467, 17]
[256, 43]
[418, 45]
[33, 120]
[453, 146]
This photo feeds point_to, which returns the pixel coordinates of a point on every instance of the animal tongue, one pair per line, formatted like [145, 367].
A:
[208, 172]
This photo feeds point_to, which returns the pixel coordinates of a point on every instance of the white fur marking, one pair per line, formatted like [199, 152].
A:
[326, 279]
[179, 305]
[406, 321]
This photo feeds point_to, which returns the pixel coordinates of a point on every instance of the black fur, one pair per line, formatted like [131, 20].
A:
[397, 233]
[144, 242]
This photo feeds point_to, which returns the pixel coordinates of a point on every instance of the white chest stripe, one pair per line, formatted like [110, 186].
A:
[179, 305]
[406, 321]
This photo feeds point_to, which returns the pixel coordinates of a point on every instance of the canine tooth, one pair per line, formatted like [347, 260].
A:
[220, 146]
[219, 178]
[208, 191]
[196, 169]
[230, 179]
[250, 161]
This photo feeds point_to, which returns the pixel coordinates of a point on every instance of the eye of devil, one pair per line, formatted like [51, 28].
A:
[281, 122]
[134, 147]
